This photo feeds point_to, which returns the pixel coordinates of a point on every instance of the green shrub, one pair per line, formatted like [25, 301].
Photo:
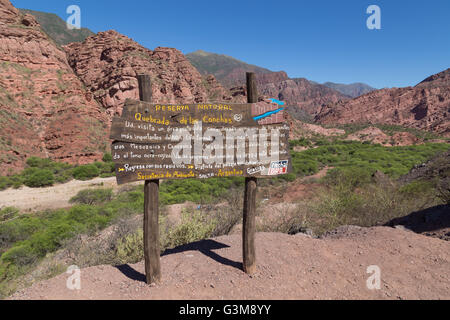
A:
[92, 196]
[287, 177]
[38, 178]
[35, 162]
[5, 183]
[105, 168]
[8, 213]
[21, 255]
[197, 191]
[16, 181]
[193, 227]
[303, 142]
[417, 187]
[64, 176]
[348, 178]
[107, 157]
[130, 249]
[86, 172]
[393, 161]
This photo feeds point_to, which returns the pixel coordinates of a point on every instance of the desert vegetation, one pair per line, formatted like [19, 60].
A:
[45, 172]
[361, 188]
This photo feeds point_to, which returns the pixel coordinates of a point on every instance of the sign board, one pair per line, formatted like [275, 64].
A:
[160, 141]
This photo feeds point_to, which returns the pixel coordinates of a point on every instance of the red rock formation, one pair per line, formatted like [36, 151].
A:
[425, 106]
[305, 95]
[44, 110]
[109, 62]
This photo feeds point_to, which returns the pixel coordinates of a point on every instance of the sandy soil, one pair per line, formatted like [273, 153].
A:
[412, 266]
[52, 197]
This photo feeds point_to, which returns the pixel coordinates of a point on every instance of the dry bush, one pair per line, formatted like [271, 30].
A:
[283, 217]
[87, 251]
[228, 214]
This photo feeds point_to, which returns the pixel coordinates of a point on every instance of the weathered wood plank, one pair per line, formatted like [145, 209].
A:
[151, 232]
[138, 172]
[249, 217]
[196, 159]
[224, 114]
[138, 132]
[249, 226]
[151, 207]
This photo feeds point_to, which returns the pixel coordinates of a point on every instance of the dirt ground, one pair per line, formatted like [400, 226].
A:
[56, 197]
[412, 266]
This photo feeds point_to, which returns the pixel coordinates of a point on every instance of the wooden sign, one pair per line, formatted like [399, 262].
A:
[156, 141]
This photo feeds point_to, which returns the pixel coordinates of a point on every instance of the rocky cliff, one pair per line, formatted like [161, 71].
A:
[425, 106]
[302, 94]
[109, 62]
[44, 108]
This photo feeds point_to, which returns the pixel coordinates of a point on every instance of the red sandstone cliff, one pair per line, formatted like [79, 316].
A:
[109, 62]
[425, 106]
[44, 109]
[305, 95]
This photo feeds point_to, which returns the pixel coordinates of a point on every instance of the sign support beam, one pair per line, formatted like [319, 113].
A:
[151, 206]
[249, 220]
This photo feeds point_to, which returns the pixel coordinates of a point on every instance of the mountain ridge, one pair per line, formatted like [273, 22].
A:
[222, 66]
[56, 27]
[353, 90]
[425, 106]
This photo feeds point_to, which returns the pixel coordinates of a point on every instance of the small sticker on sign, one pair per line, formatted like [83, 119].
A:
[238, 117]
[278, 167]
[255, 170]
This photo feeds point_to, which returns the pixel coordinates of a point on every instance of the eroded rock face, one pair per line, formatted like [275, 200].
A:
[44, 110]
[425, 106]
[303, 94]
[108, 64]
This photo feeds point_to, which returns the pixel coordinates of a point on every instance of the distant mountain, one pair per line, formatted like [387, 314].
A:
[305, 98]
[228, 70]
[56, 28]
[425, 106]
[353, 90]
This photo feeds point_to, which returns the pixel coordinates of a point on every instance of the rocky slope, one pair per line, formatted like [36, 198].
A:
[109, 62]
[44, 109]
[353, 90]
[305, 95]
[425, 106]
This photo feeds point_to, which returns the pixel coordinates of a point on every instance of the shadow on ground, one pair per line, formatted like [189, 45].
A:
[433, 222]
[206, 247]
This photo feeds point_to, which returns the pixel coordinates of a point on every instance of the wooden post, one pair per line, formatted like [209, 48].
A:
[151, 206]
[249, 224]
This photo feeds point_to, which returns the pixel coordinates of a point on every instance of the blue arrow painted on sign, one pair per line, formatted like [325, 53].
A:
[278, 102]
[267, 114]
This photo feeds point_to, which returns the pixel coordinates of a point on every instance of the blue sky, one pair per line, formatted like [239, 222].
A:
[319, 40]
